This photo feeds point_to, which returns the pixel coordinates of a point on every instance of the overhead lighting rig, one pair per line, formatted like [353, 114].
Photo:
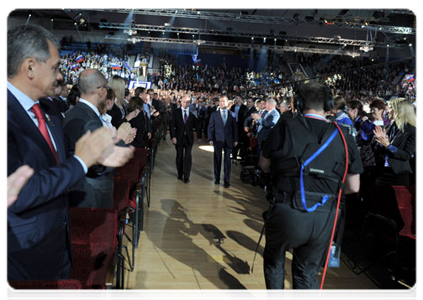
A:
[238, 45]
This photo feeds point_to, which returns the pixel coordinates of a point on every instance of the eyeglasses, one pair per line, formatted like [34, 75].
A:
[104, 86]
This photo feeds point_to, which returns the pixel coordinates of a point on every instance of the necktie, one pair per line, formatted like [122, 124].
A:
[185, 116]
[224, 117]
[43, 129]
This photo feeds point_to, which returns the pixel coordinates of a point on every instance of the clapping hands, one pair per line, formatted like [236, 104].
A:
[380, 136]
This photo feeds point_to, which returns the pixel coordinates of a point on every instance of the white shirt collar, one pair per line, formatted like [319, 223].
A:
[92, 106]
[22, 98]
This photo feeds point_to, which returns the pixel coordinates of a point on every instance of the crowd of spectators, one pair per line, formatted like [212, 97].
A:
[354, 78]
[72, 64]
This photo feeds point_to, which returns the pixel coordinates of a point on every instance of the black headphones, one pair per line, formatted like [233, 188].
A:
[299, 100]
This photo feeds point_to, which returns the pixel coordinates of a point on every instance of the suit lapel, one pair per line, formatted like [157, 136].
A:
[89, 111]
[19, 117]
[399, 136]
[55, 126]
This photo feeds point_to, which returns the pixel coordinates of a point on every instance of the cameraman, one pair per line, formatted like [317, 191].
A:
[292, 221]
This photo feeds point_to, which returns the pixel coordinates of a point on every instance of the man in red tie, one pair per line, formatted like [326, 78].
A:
[38, 231]
[181, 125]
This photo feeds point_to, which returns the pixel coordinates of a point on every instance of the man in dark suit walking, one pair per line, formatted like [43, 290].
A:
[239, 109]
[38, 232]
[181, 126]
[222, 134]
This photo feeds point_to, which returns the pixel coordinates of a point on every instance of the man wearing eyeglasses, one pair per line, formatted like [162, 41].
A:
[96, 191]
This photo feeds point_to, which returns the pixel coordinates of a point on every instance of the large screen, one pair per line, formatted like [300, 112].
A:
[133, 84]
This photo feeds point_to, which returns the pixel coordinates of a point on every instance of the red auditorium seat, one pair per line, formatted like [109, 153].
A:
[93, 244]
[143, 156]
[93, 225]
[406, 199]
[120, 194]
[131, 172]
[44, 290]
[395, 207]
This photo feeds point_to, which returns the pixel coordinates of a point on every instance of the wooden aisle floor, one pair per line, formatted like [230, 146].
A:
[203, 236]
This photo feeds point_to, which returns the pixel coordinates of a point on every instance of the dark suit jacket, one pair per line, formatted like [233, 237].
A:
[241, 114]
[178, 128]
[406, 144]
[77, 122]
[217, 132]
[158, 105]
[143, 126]
[249, 111]
[117, 117]
[38, 223]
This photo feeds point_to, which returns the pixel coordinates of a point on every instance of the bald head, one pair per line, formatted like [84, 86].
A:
[90, 81]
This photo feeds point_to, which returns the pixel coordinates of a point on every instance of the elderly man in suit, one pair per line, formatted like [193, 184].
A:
[96, 191]
[38, 232]
[182, 124]
[266, 123]
[222, 134]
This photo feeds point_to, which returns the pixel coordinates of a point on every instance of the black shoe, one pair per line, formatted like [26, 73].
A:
[226, 185]
[216, 182]
[186, 180]
[179, 177]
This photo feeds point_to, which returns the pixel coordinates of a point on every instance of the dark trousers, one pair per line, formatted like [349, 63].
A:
[200, 123]
[47, 260]
[218, 147]
[307, 233]
[97, 192]
[183, 158]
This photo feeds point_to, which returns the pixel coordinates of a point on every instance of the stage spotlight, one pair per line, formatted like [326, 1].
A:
[411, 45]
[264, 40]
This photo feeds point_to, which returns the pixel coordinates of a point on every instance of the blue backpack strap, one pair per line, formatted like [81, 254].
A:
[303, 165]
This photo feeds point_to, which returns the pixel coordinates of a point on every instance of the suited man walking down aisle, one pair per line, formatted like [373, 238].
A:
[223, 135]
[181, 125]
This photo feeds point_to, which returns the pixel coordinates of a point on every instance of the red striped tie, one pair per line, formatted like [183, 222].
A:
[43, 128]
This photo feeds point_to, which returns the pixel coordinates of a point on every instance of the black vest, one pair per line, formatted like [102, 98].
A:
[323, 175]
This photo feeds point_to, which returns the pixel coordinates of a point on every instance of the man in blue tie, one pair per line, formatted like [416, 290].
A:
[223, 135]
[181, 125]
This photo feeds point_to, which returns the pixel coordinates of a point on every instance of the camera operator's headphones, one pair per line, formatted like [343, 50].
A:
[299, 100]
